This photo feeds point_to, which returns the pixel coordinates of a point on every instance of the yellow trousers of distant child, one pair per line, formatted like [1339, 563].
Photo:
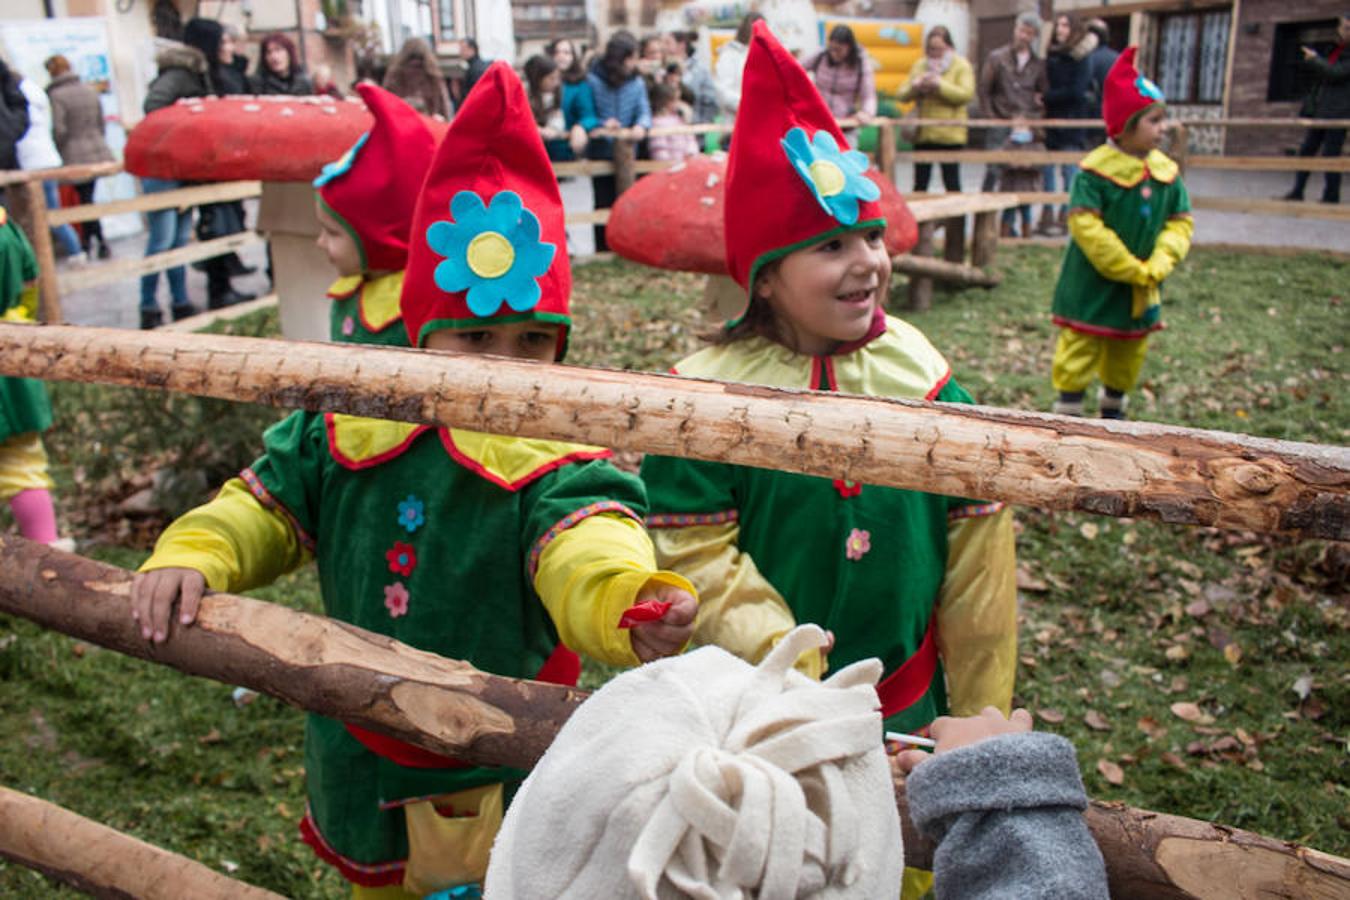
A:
[1079, 358]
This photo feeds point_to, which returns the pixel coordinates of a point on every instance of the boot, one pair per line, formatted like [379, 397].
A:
[1112, 404]
[151, 318]
[1047, 224]
[182, 311]
[235, 266]
[219, 292]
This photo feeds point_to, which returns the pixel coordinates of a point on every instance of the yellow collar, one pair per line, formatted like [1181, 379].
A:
[378, 303]
[1119, 167]
[508, 462]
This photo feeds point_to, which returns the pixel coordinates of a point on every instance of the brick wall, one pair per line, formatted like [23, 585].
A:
[1252, 50]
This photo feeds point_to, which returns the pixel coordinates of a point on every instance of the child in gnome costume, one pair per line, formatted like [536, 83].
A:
[701, 776]
[1130, 219]
[920, 581]
[25, 411]
[364, 202]
[500, 551]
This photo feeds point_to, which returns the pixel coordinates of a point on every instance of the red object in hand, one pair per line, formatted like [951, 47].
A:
[272, 138]
[646, 611]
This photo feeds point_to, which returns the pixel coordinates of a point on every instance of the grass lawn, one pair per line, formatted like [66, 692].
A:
[1199, 672]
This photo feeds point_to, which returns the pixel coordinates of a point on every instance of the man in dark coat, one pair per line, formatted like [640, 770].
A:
[1329, 99]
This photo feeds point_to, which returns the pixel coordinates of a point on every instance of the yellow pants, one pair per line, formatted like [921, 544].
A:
[23, 465]
[444, 851]
[1081, 357]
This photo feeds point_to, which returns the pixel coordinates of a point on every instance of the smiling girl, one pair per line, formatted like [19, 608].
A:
[921, 581]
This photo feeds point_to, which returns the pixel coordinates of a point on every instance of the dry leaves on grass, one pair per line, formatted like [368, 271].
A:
[1191, 712]
[1051, 716]
[1113, 773]
[1096, 721]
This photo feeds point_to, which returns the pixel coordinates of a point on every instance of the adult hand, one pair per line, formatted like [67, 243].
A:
[1308, 52]
[578, 139]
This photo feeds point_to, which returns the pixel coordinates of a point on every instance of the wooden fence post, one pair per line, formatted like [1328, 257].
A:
[986, 238]
[921, 286]
[625, 173]
[33, 214]
[886, 150]
[1180, 146]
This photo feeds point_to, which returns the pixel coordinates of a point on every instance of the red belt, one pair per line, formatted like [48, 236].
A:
[905, 686]
[562, 667]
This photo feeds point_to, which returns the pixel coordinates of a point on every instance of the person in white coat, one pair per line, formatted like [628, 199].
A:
[729, 66]
[37, 150]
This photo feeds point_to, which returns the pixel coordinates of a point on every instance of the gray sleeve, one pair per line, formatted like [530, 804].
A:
[1006, 815]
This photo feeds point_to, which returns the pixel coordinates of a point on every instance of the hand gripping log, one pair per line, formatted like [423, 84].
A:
[452, 708]
[1179, 475]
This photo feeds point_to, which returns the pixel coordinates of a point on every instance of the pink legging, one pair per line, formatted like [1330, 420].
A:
[35, 514]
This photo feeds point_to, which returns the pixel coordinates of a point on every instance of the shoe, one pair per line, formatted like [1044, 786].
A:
[235, 266]
[1292, 195]
[104, 251]
[151, 318]
[1005, 230]
[65, 544]
[1047, 224]
[1332, 200]
[77, 260]
[182, 311]
[229, 298]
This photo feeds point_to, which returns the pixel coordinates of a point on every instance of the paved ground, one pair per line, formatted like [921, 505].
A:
[116, 305]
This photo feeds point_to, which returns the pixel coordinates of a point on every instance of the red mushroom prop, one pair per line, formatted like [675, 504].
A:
[272, 138]
[673, 219]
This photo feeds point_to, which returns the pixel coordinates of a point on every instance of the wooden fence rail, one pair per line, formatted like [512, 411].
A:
[1139, 469]
[449, 707]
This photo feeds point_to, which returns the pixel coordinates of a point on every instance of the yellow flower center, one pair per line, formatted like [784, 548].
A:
[828, 177]
[490, 255]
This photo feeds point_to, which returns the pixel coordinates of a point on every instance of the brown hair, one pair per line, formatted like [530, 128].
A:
[747, 27]
[940, 31]
[57, 65]
[278, 39]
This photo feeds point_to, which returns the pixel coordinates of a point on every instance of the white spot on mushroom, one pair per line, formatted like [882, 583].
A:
[196, 108]
[678, 167]
[287, 111]
[706, 201]
[331, 110]
[251, 107]
[712, 180]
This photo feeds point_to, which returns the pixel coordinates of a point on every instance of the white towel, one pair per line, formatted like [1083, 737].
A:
[702, 776]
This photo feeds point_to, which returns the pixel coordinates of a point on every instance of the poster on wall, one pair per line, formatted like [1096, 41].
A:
[84, 42]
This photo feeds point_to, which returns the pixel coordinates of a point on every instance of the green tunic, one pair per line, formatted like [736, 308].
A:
[1135, 200]
[366, 311]
[865, 562]
[415, 540]
[24, 406]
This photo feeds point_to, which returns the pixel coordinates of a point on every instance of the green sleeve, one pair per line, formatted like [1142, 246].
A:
[1181, 198]
[575, 492]
[1086, 192]
[289, 474]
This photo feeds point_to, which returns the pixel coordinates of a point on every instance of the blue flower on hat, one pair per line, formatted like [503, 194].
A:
[492, 251]
[343, 163]
[835, 177]
[1148, 89]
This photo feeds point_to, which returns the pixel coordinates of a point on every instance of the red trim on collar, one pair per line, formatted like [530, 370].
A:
[874, 331]
[937, 388]
[357, 464]
[361, 311]
[477, 468]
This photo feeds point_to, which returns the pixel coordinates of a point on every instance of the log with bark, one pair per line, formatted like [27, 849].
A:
[102, 862]
[1178, 475]
[452, 708]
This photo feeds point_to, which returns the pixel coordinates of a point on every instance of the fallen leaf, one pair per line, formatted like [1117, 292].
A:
[1232, 653]
[1242, 735]
[1225, 744]
[1172, 760]
[1151, 728]
[229, 865]
[1177, 653]
[1089, 530]
[1053, 716]
[211, 737]
[1197, 609]
[1096, 721]
[1111, 772]
[1191, 712]
[1303, 686]
[79, 649]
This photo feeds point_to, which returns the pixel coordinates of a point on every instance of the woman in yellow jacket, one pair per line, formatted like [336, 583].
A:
[943, 83]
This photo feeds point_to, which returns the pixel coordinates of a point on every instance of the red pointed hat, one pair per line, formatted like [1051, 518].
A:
[791, 179]
[372, 188]
[1126, 93]
[488, 244]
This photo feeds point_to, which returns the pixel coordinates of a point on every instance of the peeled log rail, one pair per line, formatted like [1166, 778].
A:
[450, 707]
[928, 267]
[1178, 475]
[102, 862]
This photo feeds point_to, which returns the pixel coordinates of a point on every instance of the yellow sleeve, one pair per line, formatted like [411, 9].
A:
[1171, 247]
[738, 610]
[1105, 250]
[958, 87]
[234, 541]
[977, 614]
[906, 91]
[589, 575]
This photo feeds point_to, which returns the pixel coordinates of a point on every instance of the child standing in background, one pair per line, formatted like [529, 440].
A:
[908, 577]
[1130, 219]
[25, 410]
[665, 114]
[497, 550]
[364, 202]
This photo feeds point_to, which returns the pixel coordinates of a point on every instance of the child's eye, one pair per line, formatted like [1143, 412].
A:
[875, 236]
[476, 337]
[831, 246]
[536, 338]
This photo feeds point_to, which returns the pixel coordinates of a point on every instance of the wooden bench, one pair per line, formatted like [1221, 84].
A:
[951, 210]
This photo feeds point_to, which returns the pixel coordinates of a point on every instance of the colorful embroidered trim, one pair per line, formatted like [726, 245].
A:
[974, 510]
[264, 496]
[364, 874]
[572, 518]
[684, 520]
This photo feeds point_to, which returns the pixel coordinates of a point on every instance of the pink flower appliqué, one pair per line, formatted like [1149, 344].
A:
[402, 558]
[396, 599]
[847, 488]
[858, 543]
[348, 326]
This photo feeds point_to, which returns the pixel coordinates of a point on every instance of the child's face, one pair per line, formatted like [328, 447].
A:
[1146, 134]
[825, 295]
[520, 340]
[337, 244]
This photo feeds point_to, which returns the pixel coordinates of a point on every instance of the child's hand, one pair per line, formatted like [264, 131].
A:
[153, 595]
[951, 733]
[578, 139]
[666, 635]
